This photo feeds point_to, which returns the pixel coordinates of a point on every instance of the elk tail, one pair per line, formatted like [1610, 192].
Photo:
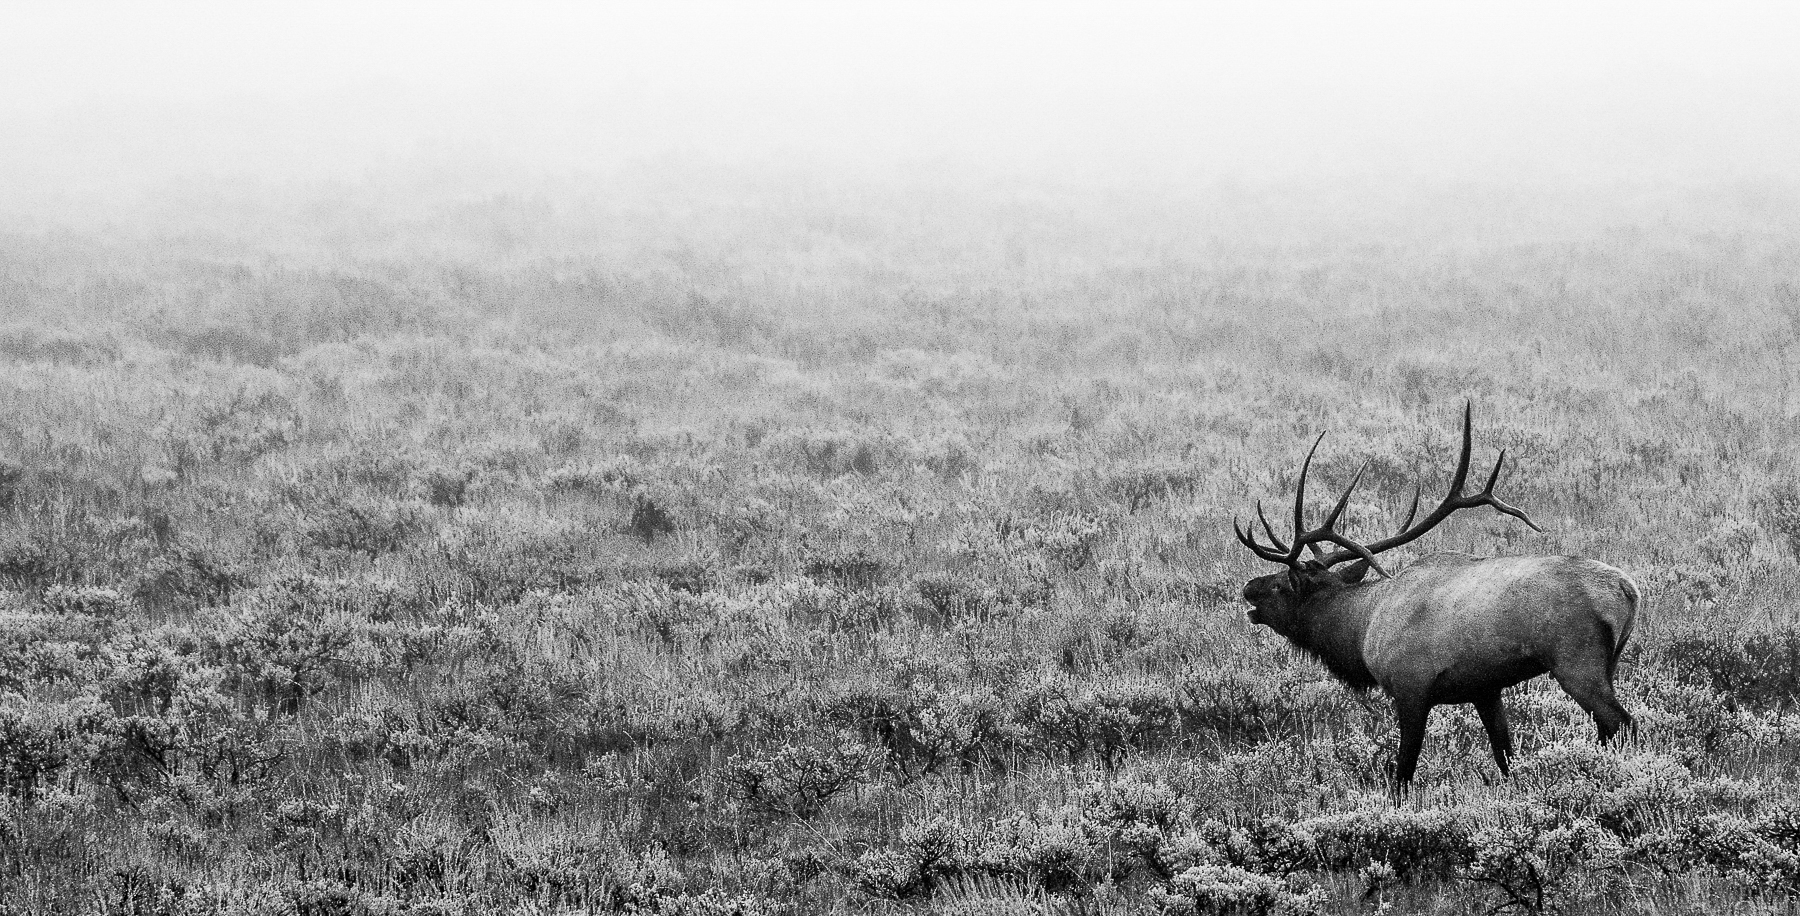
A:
[1622, 631]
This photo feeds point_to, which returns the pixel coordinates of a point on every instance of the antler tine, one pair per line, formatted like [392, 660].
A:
[1500, 505]
[1274, 539]
[1237, 527]
[1505, 508]
[1358, 549]
[1305, 539]
[1494, 476]
[1461, 478]
[1344, 500]
[1249, 541]
[1410, 513]
[1300, 496]
[1327, 531]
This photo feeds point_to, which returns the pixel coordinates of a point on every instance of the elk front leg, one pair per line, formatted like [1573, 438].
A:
[1412, 716]
[1493, 718]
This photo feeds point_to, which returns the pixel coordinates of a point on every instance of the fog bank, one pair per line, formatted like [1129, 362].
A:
[111, 107]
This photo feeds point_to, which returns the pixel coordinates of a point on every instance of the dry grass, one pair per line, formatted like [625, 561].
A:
[824, 547]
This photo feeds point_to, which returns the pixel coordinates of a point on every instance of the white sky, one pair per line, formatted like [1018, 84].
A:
[253, 82]
[56, 52]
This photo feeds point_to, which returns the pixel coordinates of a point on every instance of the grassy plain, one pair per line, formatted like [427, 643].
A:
[694, 540]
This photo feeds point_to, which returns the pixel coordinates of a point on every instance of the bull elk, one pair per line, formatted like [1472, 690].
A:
[1450, 628]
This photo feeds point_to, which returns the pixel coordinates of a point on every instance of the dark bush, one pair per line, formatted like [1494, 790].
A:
[649, 519]
[185, 577]
[499, 566]
[1759, 669]
[278, 649]
[38, 743]
[692, 577]
[228, 344]
[12, 485]
[797, 780]
[1108, 720]
[366, 526]
[952, 597]
[1144, 485]
[852, 569]
[445, 488]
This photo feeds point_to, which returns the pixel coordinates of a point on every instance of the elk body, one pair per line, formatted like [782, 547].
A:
[1450, 628]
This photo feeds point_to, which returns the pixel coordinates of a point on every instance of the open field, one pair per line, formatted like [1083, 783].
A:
[693, 540]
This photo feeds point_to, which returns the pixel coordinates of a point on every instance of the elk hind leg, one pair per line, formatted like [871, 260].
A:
[1593, 690]
[1493, 719]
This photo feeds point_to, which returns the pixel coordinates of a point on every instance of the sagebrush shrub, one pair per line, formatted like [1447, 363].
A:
[31, 562]
[1782, 509]
[1226, 890]
[86, 600]
[370, 527]
[1542, 861]
[444, 487]
[42, 742]
[798, 780]
[1055, 856]
[1147, 483]
[499, 561]
[12, 484]
[953, 597]
[925, 854]
[184, 577]
[1759, 668]
[1409, 842]
[1107, 720]
[649, 519]
[277, 653]
[923, 730]
[1761, 852]
[854, 568]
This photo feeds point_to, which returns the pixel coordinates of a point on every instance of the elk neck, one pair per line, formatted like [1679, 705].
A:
[1335, 620]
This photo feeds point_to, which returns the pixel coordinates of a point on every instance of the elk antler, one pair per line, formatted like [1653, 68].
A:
[1455, 500]
[1303, 538]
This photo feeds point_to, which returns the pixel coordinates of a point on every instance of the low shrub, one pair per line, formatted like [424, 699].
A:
[1541, 861]
[1410, 842]
[44, 742]
[185, 577]
[797, 780]
[1226, 890]
[277, 652]
[445, 487]
[926, 854]
[649, 519]
[1107, 720]
[1759, 669]
[366, 526]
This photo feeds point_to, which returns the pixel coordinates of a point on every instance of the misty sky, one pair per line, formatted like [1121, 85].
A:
[57, 52]
[102, 88]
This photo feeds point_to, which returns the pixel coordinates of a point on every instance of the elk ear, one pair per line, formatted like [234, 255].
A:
[1354, 573]
[1305, 578]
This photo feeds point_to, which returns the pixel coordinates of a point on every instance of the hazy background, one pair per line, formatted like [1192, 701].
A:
[766, 458]
[108, 107]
